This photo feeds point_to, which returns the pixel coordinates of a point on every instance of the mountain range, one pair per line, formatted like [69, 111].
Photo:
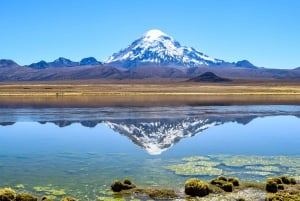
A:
[153, 55]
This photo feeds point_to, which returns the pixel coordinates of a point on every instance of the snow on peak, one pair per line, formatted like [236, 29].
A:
[158, 48]
[153, 34]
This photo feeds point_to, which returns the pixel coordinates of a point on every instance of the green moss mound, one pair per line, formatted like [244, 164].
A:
[25, 197]
[118, 186]
[271, 187]
[293, 181]
[222, 178]
[127, 181]
[46, 198]
[285, 179]
[280, 187]
[228, 187]
[277, 183]
[69, 199]
[7, 194]
[196, 187]
[234, 181]
[157, 194]
[225, 184]
[282, 196]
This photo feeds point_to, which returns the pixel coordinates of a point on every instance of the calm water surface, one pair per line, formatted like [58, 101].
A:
[80, 151]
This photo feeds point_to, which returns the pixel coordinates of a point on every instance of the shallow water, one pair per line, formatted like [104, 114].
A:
[80, 151]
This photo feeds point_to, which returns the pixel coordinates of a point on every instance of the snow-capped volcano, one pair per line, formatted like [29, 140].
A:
[158, 48]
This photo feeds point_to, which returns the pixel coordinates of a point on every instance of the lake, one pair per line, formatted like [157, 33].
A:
[81, 151]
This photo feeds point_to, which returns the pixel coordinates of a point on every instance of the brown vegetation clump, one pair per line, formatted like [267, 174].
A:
[225, 184]
[69, 199]
[7, 194]
[118, 186]
[196, 187]
[25, 197]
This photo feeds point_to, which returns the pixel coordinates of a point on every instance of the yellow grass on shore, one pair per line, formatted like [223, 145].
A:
[98, 94]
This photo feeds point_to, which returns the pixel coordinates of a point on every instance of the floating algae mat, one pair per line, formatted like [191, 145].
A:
[251, 168]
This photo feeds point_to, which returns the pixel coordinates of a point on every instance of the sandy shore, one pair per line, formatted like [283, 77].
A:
[94, 94]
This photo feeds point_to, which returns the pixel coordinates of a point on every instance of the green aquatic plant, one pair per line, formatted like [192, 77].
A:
[49, 191]
[271, 186]
[267, 168]
[69, 199]
[110, 199]
[216, 182]
[118, 186]
[46, 198]
[256, 185]
[7, 194]
[196, 158]
[283, 196]
[196, 187]
[224, 183]
[260, 173]
[227, 186]
[157, 194]
[234, 181]
[293, 181]
[20, 186]
[280, 187]
[277, 180]
[193, 168]
[222, 178]
[127, 181]
[285, 179]
[25, 197]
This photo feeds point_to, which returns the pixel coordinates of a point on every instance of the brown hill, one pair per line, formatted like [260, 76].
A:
[209, 77]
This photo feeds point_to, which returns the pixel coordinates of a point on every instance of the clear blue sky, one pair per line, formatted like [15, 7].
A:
[265, 32]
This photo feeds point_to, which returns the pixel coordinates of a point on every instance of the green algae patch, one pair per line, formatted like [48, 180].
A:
[105, 198]
[20, 186]
[238, 161]
[196, 166]
[49, 191]
[190, 169]
[260, 173]
[195, 158]
[269, 168]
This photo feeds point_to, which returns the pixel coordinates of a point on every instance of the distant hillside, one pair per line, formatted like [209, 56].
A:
[6, 63]
[62, 62]
[208, 77]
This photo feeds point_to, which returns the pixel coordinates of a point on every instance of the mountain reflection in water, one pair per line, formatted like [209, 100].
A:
[155, 129]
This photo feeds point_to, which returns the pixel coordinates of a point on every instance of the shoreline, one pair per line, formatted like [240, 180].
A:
[97, 94]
